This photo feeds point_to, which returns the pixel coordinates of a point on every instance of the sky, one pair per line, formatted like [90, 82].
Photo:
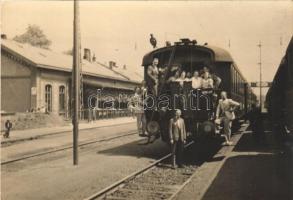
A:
[119, 30]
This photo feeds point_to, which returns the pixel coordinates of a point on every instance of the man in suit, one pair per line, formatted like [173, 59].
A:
[225, 114]
[177, 134]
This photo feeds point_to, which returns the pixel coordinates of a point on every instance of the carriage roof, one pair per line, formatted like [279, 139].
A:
[219, 54]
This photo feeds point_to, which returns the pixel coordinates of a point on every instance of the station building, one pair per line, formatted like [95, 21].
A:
[39, 79]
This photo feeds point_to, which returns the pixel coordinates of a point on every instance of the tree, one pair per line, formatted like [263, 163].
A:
[34, 36]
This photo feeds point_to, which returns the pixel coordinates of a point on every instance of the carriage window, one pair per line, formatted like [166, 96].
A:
[48, 98]
[62, 98]
[237, 83]
[233, 79]
[241, 85]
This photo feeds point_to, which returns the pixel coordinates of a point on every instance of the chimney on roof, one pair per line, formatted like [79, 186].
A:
[124, 67]
[3, 36]
[168, 43]
[94, 58]
[111, 64]
[87, 54]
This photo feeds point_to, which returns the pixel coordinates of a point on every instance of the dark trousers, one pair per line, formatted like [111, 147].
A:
[177, 152]
[6, 134]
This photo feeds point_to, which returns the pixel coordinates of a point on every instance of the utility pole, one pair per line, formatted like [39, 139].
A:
[76, 80]
[260, 76]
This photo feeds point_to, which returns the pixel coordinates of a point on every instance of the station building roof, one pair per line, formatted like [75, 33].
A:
[133, 75]
[44, 58]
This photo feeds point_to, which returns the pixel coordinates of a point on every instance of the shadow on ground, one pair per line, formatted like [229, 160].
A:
[251, 177]
[262, 175]
[249, 143]
[196, 154]
[137, 149]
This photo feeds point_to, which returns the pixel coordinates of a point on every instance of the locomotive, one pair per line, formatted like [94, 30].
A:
[199, 118]
[279, 99]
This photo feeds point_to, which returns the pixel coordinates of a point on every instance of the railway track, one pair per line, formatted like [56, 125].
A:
[155, 181]
[129, 133]
[59, 133]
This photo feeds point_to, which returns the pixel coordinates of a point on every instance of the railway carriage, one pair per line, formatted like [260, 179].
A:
[279, 99]
[189, 56]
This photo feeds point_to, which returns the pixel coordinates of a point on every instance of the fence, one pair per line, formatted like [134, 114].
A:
[92, 115]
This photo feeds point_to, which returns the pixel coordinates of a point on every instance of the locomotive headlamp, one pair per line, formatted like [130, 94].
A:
[208, 127]
[153, 127]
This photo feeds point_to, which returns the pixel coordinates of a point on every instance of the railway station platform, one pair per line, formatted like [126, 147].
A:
[247, 170]
[30, 134]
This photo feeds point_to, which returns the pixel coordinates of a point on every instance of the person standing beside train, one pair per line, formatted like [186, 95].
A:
[138, 110]
[225, 114]
[177, 134]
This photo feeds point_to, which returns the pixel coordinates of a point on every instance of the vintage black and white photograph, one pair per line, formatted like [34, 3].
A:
[146, 100]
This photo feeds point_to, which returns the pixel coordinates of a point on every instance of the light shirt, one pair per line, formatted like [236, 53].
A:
[181, 81]
[225, 108]
[207, 83]
[196, 82]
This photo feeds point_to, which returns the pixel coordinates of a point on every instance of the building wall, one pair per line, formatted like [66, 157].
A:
[16, 85]
[23, 85]
[55, 79]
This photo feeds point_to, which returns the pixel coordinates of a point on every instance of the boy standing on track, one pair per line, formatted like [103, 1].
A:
[177, 134]
[225, 114]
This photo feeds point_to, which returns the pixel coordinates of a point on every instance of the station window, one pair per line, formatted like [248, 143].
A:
[48, 98]
[62, 98]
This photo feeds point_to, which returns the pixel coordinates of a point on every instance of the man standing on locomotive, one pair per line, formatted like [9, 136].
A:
[225, 114]
[153, 76]
[177, 134]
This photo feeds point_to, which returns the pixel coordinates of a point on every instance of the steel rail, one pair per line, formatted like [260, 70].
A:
[8, 143]
[131, 176]
[67, 147]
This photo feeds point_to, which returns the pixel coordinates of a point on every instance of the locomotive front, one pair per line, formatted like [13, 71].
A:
[197, 104]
